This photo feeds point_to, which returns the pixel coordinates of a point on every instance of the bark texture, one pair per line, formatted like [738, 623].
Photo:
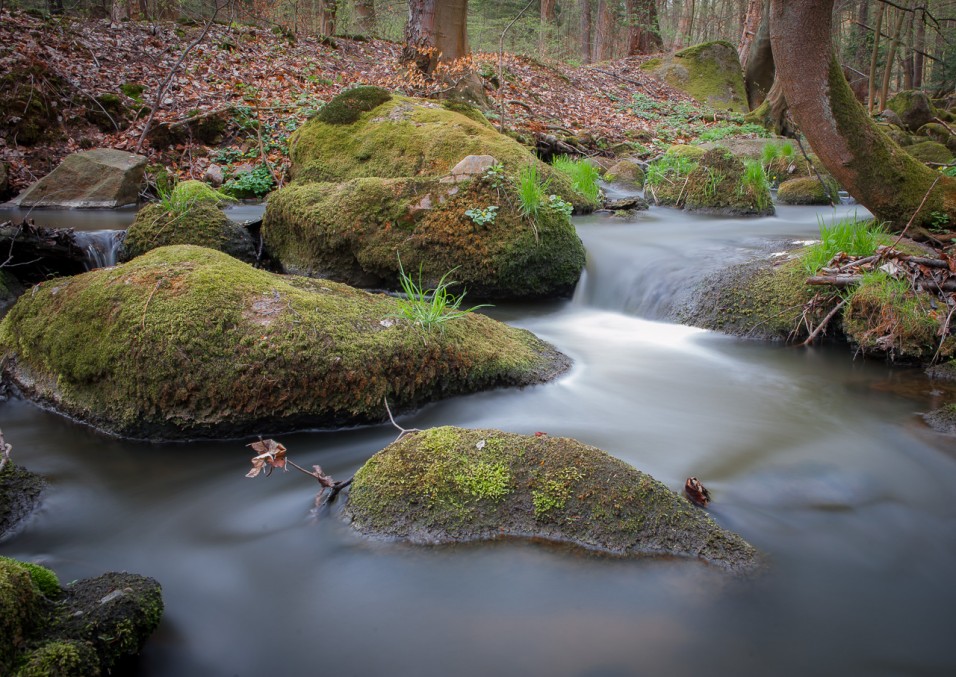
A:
[436, 32]
[875, 171]
[643, 33]
[756, 57]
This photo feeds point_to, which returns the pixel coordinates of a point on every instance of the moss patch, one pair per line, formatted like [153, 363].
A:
[62, 658]
[191, 215]
[29, 105]
[45, 580]
[345, 108]
[720, 184]
[19, 611]
[557, 489]
[930, 151]
[805, 191]
[20, 492]
[185, 341]
[406, 137]
[942, 420]
[356, 231]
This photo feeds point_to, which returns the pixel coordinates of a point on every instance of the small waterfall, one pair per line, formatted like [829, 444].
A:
[101, 246]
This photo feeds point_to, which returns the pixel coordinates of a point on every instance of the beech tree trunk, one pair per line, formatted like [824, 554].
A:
[875, 171]
[643, 28]
[756, 56]
[585, 31]
[919, 46]
[685, 27]
[604, 39]
[436, 32]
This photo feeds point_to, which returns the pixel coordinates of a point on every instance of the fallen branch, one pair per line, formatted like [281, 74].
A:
[823, 324]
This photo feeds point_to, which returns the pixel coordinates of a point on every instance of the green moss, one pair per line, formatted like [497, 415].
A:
[28, 102]
[466, 109]
[356, 231]
[19, 611]
[185, 341]
[44, 579]
[723, 184]
[930, 151]
[666, 179]
[805, 191]
[886, 317]
[626, 173]
[61, 658]
[133, 90]
[687, 151]
[409, 138]
[346, 107]
[710, 72]
[530, 486]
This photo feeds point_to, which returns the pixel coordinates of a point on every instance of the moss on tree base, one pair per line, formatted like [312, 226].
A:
[451, 485]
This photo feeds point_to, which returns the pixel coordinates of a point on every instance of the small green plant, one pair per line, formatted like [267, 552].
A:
[755, 182]
[495, 175]
[584, 176]
[938, 221]
[854, 237]
[531, 191]
[482, 217]
[430, 308]
[949, 171]
[667, 167]
[257, 183]
[558, 204]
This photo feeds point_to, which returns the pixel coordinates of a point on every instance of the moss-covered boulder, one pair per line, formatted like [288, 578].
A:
[914, 108]
[722, 184]
[30, 101]
[709, 72]
[20, 492]
[405, 137]
[901, 137]
[84, 630]
[808, 190]
[625, 174]
[451, 485]
[930, 152]
[665, 182]
[360, 232]
[686, 151]
[187, 342]
[190, 215]
[934, 131]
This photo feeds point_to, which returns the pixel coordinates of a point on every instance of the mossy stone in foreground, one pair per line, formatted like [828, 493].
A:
[19, 611]
[406, 137]
[356, 232]
[188, 342]
[451, 485]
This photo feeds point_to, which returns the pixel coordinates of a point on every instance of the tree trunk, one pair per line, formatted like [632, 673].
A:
[752, 20]
[585, 31]
[365, 16]
[919, 46]
[329, 11]
[685, 27]
[874, 58]
[436, 32]
[604, 38]
[874, 170]
[547, 18]
[757, 58]
[890, 58]
[643, 29]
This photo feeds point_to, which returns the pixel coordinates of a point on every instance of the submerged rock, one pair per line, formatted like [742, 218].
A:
[451, 485]
[86, 629]
[102, 178]
[710, 72]
[20, 492]
[191, 215]
[188, 342]
[363, 231]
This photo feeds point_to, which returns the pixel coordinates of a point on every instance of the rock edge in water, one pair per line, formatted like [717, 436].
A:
[454, 485]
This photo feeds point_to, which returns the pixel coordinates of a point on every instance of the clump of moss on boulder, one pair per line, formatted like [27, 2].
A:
[406, 137]
[190, 215]
[87, 629]
[914, 108]
[20, 492]
[710, 72]
[930, 152]
[451, 485]
[626, 174]
[188, 342]
[346, 107]
[808, 190]
[358, 231]
[722, 184]
[666, 178]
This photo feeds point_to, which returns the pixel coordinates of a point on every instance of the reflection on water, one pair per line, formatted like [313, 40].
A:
[806, 452]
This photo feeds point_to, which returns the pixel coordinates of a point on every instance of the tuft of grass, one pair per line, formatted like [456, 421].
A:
[531, 190]
[430, 308]
[724, 131]
[584, 176]
[667, 166]
[854, 237]
[184, 195]
[755, 182]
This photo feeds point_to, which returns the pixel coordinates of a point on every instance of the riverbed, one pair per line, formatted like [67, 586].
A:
[817, 458]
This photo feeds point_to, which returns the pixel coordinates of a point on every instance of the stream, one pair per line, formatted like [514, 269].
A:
[818, 459]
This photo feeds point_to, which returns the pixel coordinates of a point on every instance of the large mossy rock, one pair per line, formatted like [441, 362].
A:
[191, 215]
[451, 485]
[86, 629]
[360, 232]
[709, 72]
[102, 178]
[377, 134]
[807, 190]
[914, 108]
[720, 184]
[930, 152]
[187, 342]
[625, 174]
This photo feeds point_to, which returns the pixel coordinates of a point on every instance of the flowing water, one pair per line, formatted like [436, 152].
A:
[817, 459]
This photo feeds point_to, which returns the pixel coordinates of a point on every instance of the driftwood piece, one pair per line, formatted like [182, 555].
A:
[33, 253]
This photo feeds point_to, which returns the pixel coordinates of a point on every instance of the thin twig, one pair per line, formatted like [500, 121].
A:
[145, 307]
[404, 431]
[824, 323]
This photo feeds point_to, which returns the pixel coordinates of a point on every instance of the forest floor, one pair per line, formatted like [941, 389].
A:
[270, 83]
